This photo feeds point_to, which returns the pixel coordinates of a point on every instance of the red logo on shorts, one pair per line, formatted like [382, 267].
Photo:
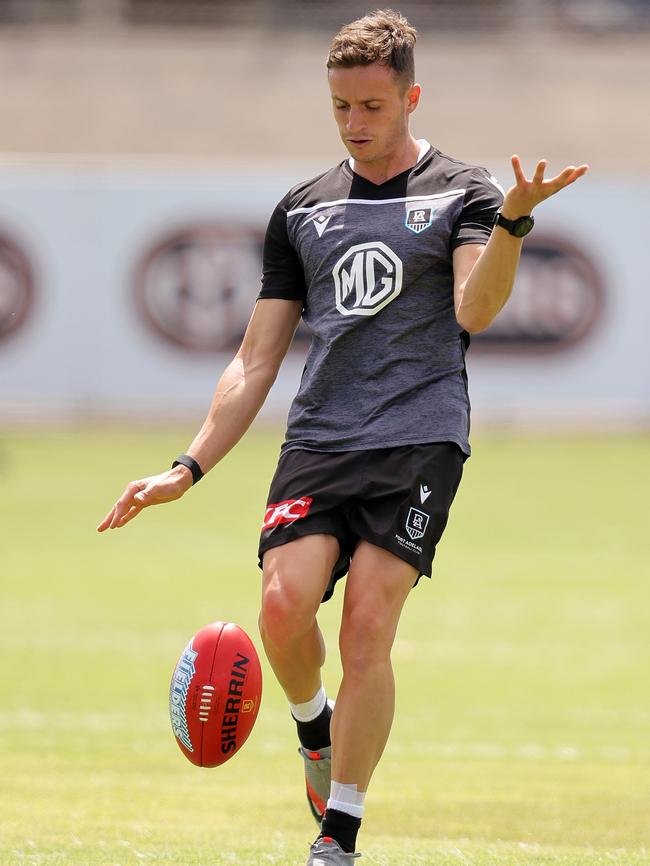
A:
[286, 512]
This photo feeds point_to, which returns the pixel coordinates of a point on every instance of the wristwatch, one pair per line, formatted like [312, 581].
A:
[519, 228]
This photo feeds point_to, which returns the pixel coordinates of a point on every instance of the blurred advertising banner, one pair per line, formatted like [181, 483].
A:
[125, 290]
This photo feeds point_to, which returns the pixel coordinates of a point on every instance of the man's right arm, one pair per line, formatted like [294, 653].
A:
[247, 380]
[240, 393]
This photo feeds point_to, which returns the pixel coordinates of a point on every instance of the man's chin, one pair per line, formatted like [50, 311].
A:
[361, 154]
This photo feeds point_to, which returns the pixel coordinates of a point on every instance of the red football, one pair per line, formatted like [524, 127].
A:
[215, 693]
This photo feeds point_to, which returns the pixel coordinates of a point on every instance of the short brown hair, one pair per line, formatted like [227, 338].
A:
[383, 37]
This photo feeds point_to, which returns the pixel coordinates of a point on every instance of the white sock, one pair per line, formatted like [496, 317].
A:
[346, 798]
[310, 710]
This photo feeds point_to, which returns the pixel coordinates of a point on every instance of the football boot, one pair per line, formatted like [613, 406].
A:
[318, 776]
[326, 852]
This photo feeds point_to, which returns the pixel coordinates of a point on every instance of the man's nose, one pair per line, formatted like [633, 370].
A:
[355, 122]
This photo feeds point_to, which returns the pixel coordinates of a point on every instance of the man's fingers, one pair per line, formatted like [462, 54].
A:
[538, 177]
[125, 512]
[566, 173]
[106, 522]
[130, 514]
[575, 173]
[520, 177]
[146, 494]
[119, 510]
[568, 176]
[554, 184]
[150, 493]
[527, 194]
[126, 501]
[139, 495]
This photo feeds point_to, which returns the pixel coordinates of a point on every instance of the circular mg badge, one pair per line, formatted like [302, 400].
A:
[16, 287]
[196, 286]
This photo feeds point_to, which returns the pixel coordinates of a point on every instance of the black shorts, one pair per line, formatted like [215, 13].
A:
[395, 498]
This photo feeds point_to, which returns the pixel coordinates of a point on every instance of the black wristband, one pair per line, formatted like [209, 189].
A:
[191, 464]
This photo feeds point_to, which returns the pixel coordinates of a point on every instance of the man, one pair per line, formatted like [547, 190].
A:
[392, 258]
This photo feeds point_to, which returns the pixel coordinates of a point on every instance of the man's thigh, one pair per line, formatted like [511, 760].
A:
[405, 502]
[377, 586]
[300, 570]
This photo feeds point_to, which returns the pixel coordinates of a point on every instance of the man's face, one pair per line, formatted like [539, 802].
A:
[371, 109]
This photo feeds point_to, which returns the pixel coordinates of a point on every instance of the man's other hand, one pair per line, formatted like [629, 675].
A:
[527, 194]
[153, 490]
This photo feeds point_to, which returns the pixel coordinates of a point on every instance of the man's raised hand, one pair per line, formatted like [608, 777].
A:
[153, 490]
[527, 194]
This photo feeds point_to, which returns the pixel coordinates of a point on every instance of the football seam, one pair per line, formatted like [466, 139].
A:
[214, 656]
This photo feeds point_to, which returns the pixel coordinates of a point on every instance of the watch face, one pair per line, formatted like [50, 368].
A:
[522, 226]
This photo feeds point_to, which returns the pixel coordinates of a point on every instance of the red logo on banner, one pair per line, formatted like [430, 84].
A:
[286, 512]
[193, 287]
[558, 299]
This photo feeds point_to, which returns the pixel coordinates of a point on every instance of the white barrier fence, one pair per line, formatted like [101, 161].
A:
[124, 291]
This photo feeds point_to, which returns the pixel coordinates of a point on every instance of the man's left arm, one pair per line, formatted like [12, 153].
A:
[484, 273]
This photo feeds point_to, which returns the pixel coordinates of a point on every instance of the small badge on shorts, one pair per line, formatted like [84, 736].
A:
[416, 523]
[419, 218]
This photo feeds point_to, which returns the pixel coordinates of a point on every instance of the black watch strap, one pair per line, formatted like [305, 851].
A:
[192, 465]
[518, 228]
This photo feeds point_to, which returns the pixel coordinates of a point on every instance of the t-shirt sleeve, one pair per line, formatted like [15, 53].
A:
[483, 197]
[282, 272]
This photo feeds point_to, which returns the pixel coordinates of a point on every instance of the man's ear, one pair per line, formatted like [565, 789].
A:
[413, 97]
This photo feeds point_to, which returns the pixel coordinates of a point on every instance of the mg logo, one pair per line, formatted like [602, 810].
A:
[366, 279]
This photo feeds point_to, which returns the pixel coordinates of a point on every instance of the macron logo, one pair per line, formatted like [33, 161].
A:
[320, 224]
[425, 493]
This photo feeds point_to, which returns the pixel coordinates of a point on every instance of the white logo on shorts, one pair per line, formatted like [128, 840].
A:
[416, 523]
[366, 279]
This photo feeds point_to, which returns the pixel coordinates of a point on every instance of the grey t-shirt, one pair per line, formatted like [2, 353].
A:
[372, 265]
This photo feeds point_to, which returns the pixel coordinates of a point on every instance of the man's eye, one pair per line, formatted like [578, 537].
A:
[341, 107]
[373, 107]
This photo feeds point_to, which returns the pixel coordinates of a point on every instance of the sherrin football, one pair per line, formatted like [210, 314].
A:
[215, 694]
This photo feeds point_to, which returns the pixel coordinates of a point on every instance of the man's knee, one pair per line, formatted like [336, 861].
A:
[365, 637]
[378, 585]
[295, 578]
[286, 614]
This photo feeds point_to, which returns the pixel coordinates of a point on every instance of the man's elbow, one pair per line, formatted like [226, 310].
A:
[473, 322]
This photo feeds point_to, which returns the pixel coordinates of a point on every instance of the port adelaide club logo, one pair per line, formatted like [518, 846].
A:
[416, 523]
[419, 218]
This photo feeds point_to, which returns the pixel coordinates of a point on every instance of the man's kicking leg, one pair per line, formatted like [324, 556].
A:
[294, 581]
[296, 575]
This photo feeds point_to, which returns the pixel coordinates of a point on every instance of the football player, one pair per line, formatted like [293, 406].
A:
[392, 258]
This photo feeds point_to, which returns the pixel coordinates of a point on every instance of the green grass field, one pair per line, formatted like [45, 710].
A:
[522, 730]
